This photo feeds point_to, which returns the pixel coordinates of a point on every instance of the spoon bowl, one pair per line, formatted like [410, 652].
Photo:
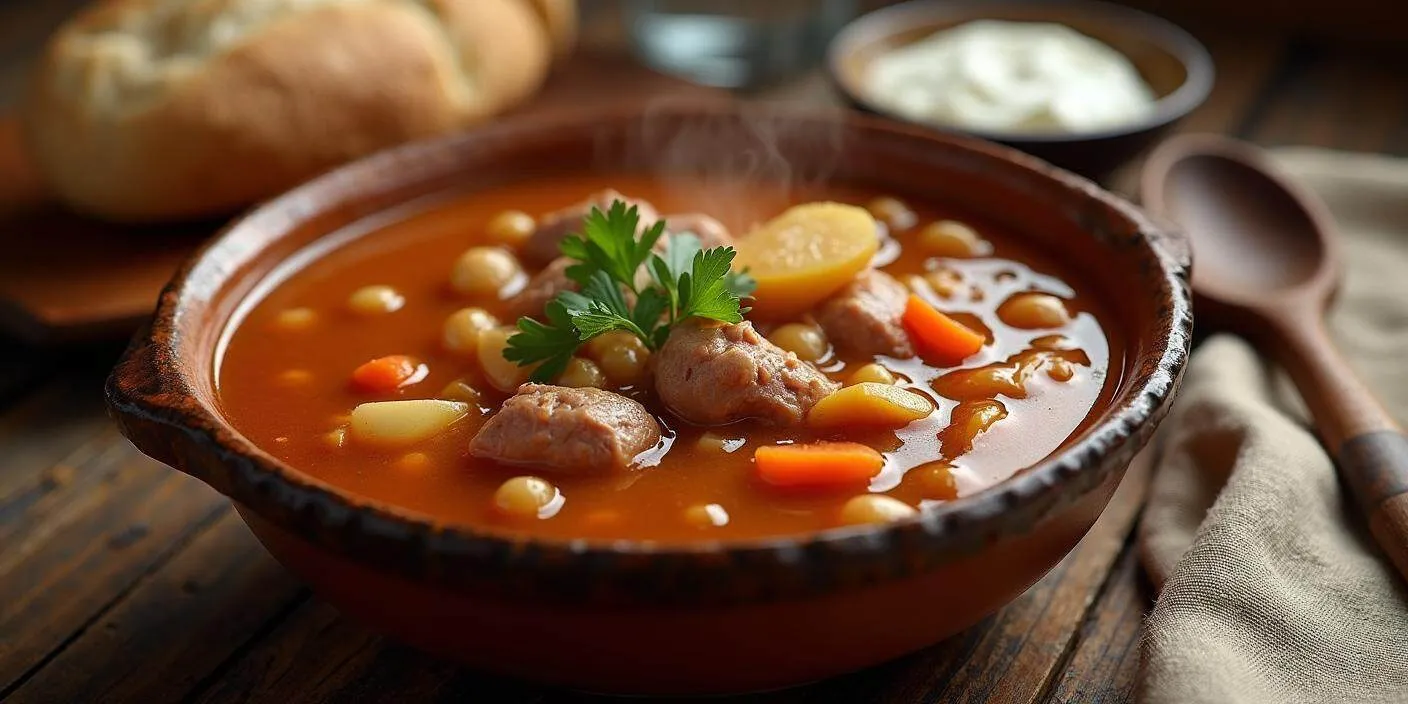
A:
[1266, 265]
[1257, 236]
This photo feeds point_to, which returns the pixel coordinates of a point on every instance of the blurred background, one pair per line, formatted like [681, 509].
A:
[772, 41]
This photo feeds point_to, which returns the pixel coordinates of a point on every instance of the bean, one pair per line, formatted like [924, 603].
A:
[875, 509]
[947, 283]
[711, 442]
[461, 390]
[893, 212]
[806, 341]
[706, 516]
[413, 461]
[296, 318]
[485, 271]
[621, 355]
[950, 238]
[294, 378]
[582, 373]
[1031, 311]
[526, 498]
[503, 374]
[511, 228]
[935, 481]
[461, 330]
[375, 300]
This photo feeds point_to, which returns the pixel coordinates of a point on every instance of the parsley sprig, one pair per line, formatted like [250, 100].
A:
[625, 285]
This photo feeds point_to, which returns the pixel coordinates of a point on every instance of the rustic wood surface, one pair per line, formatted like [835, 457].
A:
[124, 581]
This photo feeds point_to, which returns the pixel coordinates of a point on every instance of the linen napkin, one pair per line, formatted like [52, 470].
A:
[1272, 591]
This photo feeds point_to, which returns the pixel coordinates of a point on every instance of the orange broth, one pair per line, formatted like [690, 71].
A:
[288, 389]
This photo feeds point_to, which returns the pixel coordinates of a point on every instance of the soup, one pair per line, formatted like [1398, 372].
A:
[887, 355]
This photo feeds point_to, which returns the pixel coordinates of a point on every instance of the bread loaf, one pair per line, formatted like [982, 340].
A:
[150, 110]
[560, 18]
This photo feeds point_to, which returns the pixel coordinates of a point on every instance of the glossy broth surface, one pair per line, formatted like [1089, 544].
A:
[288, 389]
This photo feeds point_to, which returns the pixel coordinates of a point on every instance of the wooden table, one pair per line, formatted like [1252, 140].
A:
[122, 580]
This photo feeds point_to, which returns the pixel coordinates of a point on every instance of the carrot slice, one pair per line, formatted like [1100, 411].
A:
[939, 334]
[386, 374]
[823, 465]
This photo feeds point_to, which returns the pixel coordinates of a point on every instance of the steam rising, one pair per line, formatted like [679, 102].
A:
[725, 153]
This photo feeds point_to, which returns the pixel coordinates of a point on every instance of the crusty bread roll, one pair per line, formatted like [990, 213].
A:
[560, 17]
[150, 110]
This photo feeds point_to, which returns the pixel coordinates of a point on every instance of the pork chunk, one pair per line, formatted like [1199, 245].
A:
[711, 232]
[543, 287]
[712, 373]
[864, 317]
[572, 431]
[542, 245]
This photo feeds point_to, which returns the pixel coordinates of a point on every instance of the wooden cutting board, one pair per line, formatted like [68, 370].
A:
[66, 278]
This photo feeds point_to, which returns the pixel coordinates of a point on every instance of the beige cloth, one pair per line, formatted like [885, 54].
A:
[1271, 589]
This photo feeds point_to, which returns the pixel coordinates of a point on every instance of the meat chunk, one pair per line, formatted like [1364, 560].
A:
[542, 245]
[864, 317]
[711, 374]
[577, 431]
[543, 287]
[711, 232]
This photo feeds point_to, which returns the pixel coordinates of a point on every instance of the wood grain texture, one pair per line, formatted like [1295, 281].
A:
[81, 525]
[173, 627]
[1103, 668]
[69, 414]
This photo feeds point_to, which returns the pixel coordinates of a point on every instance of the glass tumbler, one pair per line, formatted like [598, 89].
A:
[737, 44]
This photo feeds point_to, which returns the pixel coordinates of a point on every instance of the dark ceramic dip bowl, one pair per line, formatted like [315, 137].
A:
[1175, 65]
[633, 617]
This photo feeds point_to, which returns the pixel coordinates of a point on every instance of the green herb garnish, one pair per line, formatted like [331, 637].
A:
[685, 281]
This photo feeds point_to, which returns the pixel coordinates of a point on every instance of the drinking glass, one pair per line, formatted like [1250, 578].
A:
[734, 43]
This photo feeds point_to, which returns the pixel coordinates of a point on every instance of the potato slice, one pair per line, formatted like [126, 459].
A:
[806, 254]
[869, 403]
[398, 423]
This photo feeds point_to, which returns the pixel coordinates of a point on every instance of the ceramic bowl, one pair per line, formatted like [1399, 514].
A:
[635, 617]
[1175, 64]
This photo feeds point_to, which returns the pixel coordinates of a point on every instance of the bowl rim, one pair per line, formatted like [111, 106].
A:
[151, 393]
[1194, 55]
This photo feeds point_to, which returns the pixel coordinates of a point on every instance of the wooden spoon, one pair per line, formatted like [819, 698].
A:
[1266, 265]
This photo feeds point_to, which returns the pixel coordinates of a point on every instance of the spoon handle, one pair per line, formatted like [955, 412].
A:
[1369, 447]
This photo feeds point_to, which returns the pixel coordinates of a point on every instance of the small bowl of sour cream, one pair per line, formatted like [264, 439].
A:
[1084, 85]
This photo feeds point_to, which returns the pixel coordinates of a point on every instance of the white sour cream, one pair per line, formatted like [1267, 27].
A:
[1011, 77]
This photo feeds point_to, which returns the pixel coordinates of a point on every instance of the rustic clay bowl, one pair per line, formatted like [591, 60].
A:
[637, 617]
[1176, 66]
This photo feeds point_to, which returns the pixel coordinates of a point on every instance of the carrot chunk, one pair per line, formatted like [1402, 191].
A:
[823, 465]
[386, 374]
[939, 334]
